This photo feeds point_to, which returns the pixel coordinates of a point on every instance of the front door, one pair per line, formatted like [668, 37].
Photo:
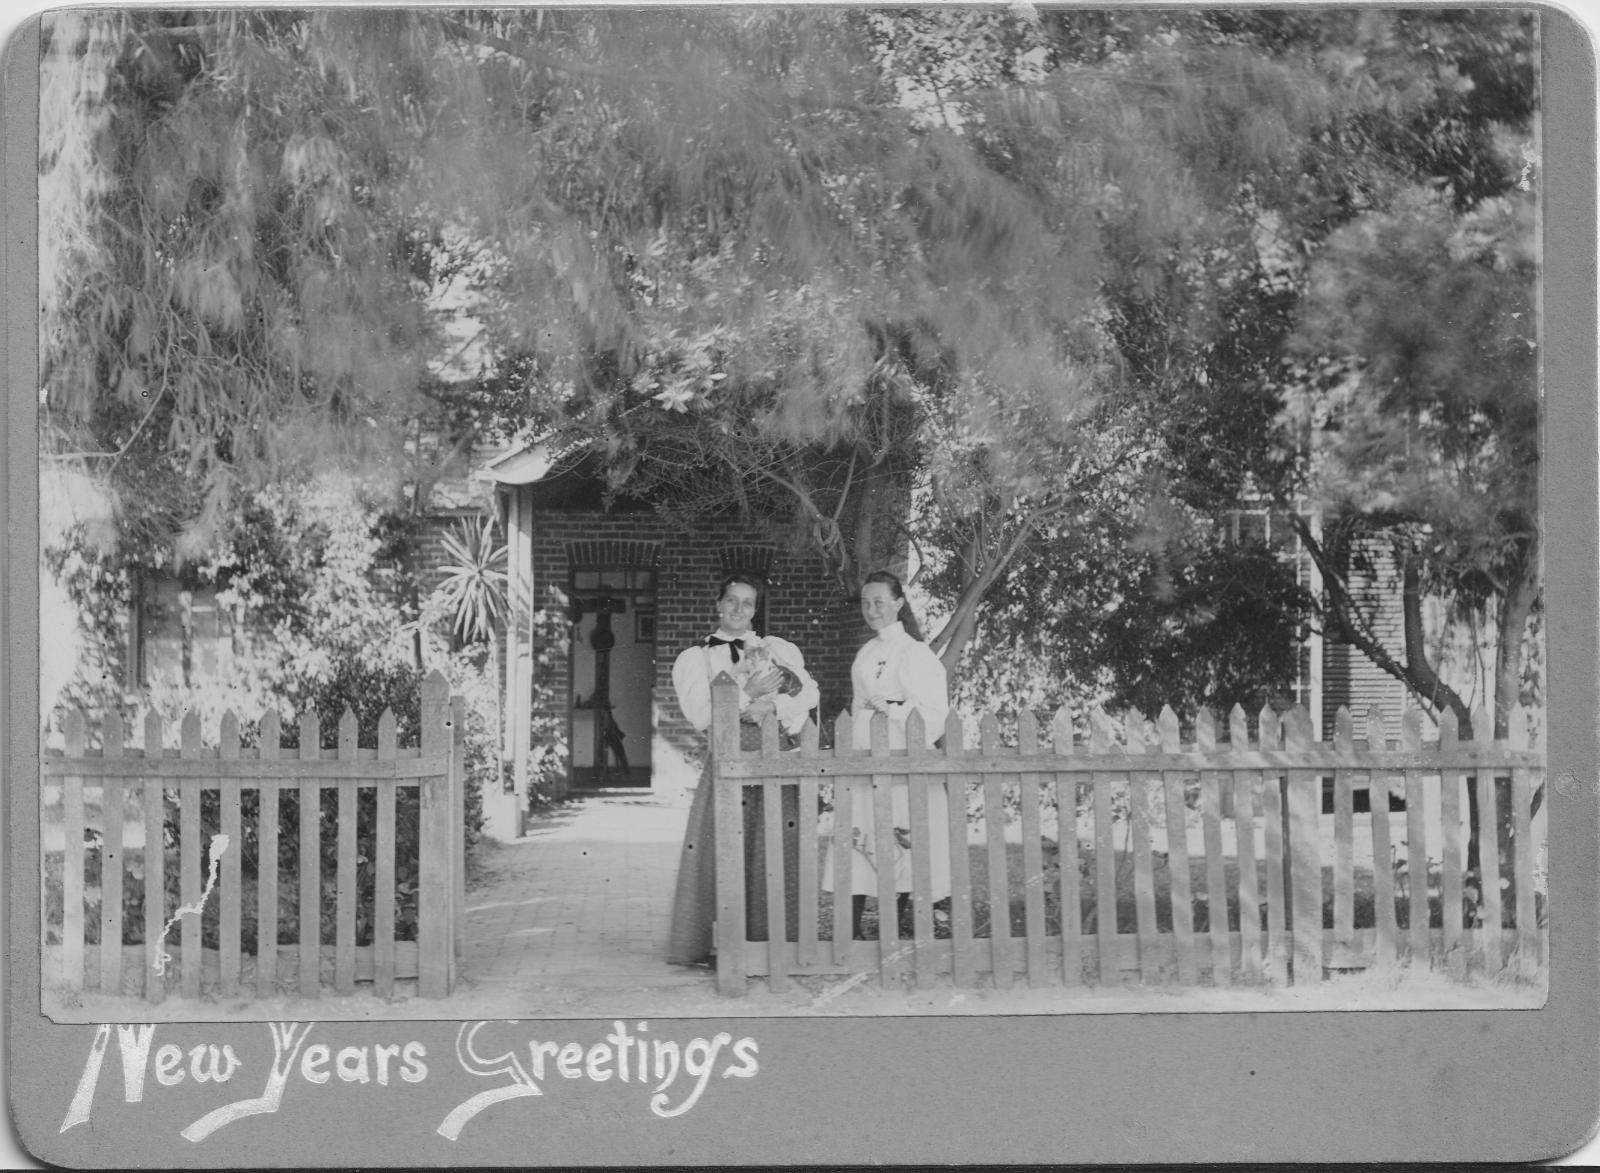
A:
[613, 676]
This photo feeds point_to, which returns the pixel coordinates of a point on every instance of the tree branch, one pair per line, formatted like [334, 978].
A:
[1417, 675]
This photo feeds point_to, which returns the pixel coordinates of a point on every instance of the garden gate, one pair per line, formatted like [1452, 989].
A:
[375, 832]
[1062, 910]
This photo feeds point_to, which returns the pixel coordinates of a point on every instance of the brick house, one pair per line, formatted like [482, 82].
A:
[646, 588]
[622, 571]
[636, 590]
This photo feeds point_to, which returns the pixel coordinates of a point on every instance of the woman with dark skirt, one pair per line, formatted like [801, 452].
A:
[772, 679]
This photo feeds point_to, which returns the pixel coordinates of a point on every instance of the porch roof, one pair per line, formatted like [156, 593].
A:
[521, 466]
[555, 476]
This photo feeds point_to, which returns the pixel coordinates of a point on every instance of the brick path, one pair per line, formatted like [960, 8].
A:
[582, 901]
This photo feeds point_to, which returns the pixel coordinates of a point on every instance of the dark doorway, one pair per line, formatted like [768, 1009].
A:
[613, 675]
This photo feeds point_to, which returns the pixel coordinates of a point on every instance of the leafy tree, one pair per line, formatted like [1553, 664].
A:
[218, 300]
[1423, 431]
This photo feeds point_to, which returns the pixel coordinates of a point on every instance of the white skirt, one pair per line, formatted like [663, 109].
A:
[934, 840]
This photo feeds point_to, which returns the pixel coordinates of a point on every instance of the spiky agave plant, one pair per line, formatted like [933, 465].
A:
[473, 589]
[473, 594]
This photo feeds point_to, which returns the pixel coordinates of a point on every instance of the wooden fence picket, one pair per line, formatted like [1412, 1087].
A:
[771, 832]
[1523, 848]
[1245, 784]
[999, 882]
[155, 863]
[72, 828]
[113, 865]
[883, 853]
[1105, 854]
[457, 832]
[842, 849]
[729, 840]
[267, 872]
[230, 916]
[777, 903]
[1417, 935]
[1304, 791]
[1489, 864]
[1151, 945]
[1178, 852]
[1451, 863]
[1344, 923]
[310, 861]
[191, 854]
[346, 886]
[1221, 949]
[962, 963]
[435, 860]
[921, 860]
[1028, 798]
[383, 902]
[808, 952]
[1388, 932]
[1068, 877]
[1274, 816]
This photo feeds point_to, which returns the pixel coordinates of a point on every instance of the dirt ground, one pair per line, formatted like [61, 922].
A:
[1398, 989]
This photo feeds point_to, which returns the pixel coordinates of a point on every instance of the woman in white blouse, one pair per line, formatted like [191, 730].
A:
[772, 678]
[894, 673]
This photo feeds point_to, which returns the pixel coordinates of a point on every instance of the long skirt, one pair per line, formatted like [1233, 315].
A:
[864, 842]
[694, 902]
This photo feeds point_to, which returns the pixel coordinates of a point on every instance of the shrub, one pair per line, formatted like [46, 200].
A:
[367, 689]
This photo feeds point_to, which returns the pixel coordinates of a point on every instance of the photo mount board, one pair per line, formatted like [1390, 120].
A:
[1502, 1085]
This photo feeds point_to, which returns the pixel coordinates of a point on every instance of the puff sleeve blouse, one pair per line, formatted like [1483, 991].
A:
[898, 670]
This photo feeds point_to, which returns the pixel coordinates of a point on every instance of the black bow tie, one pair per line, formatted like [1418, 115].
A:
[733, 645]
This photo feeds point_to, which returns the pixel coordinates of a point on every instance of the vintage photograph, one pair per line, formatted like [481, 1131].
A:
[538, 506]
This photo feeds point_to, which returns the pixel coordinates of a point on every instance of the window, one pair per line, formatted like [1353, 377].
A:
[181, 634]
[614, 580]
